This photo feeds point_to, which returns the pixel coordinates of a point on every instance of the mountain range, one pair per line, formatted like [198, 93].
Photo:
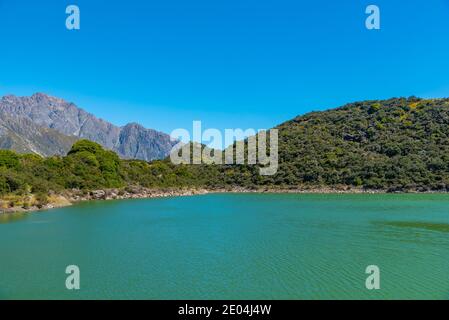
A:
[48, 126]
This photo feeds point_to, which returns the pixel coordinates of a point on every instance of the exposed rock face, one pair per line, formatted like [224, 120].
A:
[139, 143]
[22, 135]
[55, 117]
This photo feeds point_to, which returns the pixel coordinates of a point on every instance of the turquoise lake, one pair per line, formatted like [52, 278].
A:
[231, 246]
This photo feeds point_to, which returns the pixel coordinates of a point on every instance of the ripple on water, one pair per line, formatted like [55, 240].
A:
[432, 226]
[233, 247]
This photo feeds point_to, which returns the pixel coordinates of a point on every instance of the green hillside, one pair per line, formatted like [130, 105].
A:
[392, 145]
[395, 144]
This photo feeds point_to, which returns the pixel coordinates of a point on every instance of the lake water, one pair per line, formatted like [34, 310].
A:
[231, 246]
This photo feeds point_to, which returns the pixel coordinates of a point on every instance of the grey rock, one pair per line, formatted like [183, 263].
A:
[53, 117]
[23, 136]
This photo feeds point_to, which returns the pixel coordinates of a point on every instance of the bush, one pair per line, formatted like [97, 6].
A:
[9, 159]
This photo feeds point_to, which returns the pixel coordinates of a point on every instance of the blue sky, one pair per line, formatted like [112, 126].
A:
[230, 64]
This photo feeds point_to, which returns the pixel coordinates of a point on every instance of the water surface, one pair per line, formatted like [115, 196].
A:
[231, 246]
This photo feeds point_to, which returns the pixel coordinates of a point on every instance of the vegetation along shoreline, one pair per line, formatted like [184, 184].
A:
[399, 145]
[31, 203]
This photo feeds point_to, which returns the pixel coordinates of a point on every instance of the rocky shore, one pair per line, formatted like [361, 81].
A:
[297, 190]
[76, 196]
[131, 193]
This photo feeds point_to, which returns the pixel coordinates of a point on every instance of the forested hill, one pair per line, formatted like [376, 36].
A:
[396, 143]
[392, 145]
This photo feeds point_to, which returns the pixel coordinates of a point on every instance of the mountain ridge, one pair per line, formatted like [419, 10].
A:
[69, 120]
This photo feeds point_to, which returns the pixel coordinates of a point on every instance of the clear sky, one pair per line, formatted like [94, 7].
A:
[228, 63]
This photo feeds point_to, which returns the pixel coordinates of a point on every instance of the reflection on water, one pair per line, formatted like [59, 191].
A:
[12, 217]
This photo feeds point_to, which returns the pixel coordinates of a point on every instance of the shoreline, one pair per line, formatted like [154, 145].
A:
[69, 198]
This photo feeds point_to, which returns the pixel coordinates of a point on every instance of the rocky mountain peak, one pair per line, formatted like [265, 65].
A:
[67, 119]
